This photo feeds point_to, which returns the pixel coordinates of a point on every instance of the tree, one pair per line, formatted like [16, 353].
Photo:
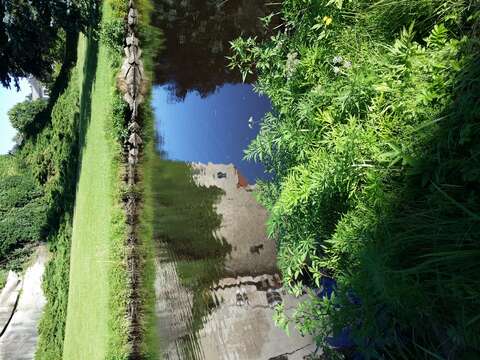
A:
[30, 30]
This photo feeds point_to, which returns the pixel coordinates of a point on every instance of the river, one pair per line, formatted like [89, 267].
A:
[216, 275]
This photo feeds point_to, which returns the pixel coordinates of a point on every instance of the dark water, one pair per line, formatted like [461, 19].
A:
[216, 278]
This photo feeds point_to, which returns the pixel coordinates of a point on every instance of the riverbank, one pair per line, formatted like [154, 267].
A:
[99, 290]
[92, 276]
[373, 143]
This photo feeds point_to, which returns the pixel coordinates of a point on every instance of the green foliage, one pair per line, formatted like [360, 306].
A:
[30, 33]
[37, 189]
[51, 328]
[377, 173]
[53, 156]
[113, 34]
[22, 212]
[23, 115]
[119, 113]
[3, 278]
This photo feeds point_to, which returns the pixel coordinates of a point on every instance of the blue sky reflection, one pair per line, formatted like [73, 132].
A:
[213, 129]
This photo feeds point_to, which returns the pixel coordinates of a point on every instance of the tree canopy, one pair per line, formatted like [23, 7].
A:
[31, 30]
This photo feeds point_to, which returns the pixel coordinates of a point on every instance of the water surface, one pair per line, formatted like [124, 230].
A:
[217, 280]
[216, 128]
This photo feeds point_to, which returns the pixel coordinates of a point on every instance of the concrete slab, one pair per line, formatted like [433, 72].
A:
[20, 338]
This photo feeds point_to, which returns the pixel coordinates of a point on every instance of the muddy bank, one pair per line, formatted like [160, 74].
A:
[21, 305]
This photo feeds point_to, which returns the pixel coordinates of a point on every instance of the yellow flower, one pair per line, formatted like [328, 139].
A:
[327, 20]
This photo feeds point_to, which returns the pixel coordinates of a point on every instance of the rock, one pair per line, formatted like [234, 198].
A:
[134, 127]
[140, 69]
[134, 81]
[132, 160]
[132, 17]
[132, 40]
[133, 55]
[125, 68]
[135, 140]
[133, 152]
[129, 99]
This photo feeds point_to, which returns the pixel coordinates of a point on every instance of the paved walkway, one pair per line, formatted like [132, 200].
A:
[19, 339]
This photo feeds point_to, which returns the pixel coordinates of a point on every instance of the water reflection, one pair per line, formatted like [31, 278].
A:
[214, 129]
[188, 226]
[197, 35]
[216, 281]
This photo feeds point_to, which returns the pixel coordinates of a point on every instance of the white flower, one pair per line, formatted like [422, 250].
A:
[347, 64]
[291, 64]
[337, 60]
[336, 70]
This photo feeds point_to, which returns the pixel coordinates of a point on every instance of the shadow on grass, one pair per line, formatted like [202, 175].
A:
[418, 273]
[89, 73]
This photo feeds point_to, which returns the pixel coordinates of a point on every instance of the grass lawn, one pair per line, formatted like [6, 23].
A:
[96, 324]
[87, 316]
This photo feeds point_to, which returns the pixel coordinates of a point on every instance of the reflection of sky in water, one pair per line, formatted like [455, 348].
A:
[213, 129]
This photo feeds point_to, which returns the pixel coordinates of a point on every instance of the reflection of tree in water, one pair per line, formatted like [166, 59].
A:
[186, 221]
[197, 34]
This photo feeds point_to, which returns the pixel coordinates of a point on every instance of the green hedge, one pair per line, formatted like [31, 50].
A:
[23, 116]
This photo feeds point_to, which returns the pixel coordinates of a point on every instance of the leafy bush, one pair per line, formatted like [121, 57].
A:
[377, 173]
[37, 189]
[113, 34]
[22, 215]
[119, 114]
[23, 116]
[55, 286]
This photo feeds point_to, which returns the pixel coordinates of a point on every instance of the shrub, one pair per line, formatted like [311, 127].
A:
[113, 35]
[55, 285]
[23, 116]
[377, 173]
[22, 214]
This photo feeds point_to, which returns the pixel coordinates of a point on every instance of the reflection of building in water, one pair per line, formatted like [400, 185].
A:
[243, 220]
[240, 325]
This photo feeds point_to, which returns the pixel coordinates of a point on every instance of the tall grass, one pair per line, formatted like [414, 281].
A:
[372, 142]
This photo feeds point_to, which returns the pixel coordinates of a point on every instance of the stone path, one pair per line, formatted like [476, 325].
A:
[19, 331]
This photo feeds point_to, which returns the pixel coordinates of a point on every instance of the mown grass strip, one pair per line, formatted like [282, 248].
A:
[96, 323]
[87, 316]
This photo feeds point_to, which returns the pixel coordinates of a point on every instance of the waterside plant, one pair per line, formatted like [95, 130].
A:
[373, 144]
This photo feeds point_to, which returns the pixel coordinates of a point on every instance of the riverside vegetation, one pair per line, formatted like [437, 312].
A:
[73, 138]
[373, 144]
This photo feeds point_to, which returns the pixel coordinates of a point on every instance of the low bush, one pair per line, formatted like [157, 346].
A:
[55, 286]
[22, 214]
[113, 34]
